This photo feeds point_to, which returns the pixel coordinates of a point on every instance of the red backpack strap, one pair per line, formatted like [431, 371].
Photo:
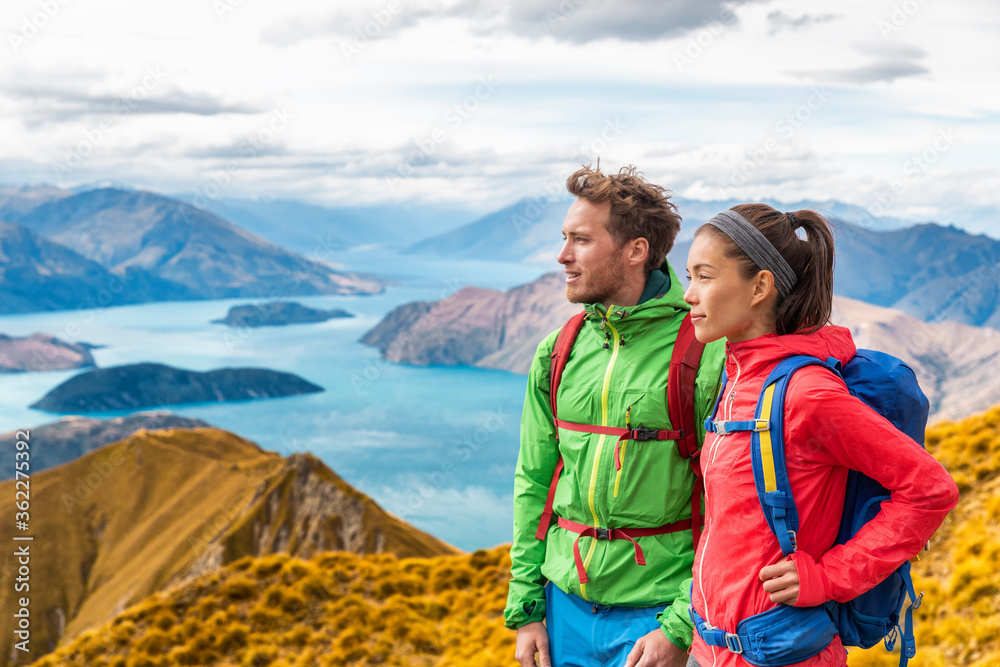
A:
[684, 362]
[560, 354]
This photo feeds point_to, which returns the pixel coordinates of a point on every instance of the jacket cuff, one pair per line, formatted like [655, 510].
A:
[524, 613]
[676, 625]
[812, 591]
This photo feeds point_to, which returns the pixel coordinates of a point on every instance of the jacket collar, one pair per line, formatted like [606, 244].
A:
[758, 354]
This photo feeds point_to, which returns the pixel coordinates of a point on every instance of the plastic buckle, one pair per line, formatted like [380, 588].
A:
[733, 643]
[919, 601]
[794, 538]
[761, 425]
[640, 433]
[602, 533]
[909, 647]
[720, 427]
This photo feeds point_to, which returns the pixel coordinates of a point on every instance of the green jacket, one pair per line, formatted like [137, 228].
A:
[652, 488]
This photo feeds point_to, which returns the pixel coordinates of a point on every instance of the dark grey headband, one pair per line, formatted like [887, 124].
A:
[757, 247]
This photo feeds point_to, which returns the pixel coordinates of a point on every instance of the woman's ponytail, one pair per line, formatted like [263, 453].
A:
[808, 306]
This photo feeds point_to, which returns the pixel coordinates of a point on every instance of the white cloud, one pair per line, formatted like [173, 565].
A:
[694, 91]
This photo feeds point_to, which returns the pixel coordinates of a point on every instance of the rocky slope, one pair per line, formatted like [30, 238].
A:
[163, 507]
[72, 437]
[42, 352]
[492, 329]
[277, 313]
[475, 326]
[144, 385]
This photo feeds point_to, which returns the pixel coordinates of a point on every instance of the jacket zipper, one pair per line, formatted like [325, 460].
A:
[600, 446]
[715, 449]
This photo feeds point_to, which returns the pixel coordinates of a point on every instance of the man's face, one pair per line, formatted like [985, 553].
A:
[594, 267]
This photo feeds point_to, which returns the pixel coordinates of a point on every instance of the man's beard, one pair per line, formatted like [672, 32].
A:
[599, 283]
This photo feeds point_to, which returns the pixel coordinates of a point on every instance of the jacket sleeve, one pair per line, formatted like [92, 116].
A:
[536, 463]
[921, 490]
[675, 619]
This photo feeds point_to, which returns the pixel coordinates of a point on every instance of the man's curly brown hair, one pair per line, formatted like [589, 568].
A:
[639, 209]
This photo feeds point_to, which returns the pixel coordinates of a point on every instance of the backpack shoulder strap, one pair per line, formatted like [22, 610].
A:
[560, 354]
[684, 362]
[767, 451]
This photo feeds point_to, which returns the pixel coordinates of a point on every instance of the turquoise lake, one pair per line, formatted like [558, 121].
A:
[435, 446]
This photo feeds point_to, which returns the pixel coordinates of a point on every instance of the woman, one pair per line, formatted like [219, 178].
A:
[754, 281]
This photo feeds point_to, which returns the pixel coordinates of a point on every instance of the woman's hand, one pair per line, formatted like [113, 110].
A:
[781, 580]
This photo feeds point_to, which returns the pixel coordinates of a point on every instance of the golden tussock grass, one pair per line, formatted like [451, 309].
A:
[342, 609]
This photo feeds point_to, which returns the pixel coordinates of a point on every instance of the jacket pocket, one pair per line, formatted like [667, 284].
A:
[653, 485]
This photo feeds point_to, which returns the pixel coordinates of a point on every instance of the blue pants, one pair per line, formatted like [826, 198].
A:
[582, 634]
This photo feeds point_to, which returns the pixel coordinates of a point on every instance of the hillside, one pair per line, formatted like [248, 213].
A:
[72, 437]
[41, 352]
[299, 226]
[144, 385]
[494, 329]
[343, 610]
[959, 620]
[162, 507]
[184, 246]
[334, 610]
[17, 199]
[37, 274]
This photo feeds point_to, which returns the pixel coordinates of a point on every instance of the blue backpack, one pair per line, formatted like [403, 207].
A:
[889, 387]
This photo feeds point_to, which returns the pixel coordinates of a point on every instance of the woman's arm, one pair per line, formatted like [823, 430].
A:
[822, 414]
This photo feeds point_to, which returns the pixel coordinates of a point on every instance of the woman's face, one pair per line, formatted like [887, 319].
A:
[723, 302]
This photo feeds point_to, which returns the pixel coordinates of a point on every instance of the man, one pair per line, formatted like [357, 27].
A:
[601, 605]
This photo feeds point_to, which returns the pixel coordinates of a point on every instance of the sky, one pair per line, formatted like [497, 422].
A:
[890, 105]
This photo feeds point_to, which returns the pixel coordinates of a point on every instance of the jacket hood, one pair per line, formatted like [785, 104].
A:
[829, 341]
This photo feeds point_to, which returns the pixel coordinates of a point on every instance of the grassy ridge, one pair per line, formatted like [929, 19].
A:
[336, 609]
[162, 507]
[344, 609]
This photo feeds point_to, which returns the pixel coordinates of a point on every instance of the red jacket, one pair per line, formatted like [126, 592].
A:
[827, 431]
